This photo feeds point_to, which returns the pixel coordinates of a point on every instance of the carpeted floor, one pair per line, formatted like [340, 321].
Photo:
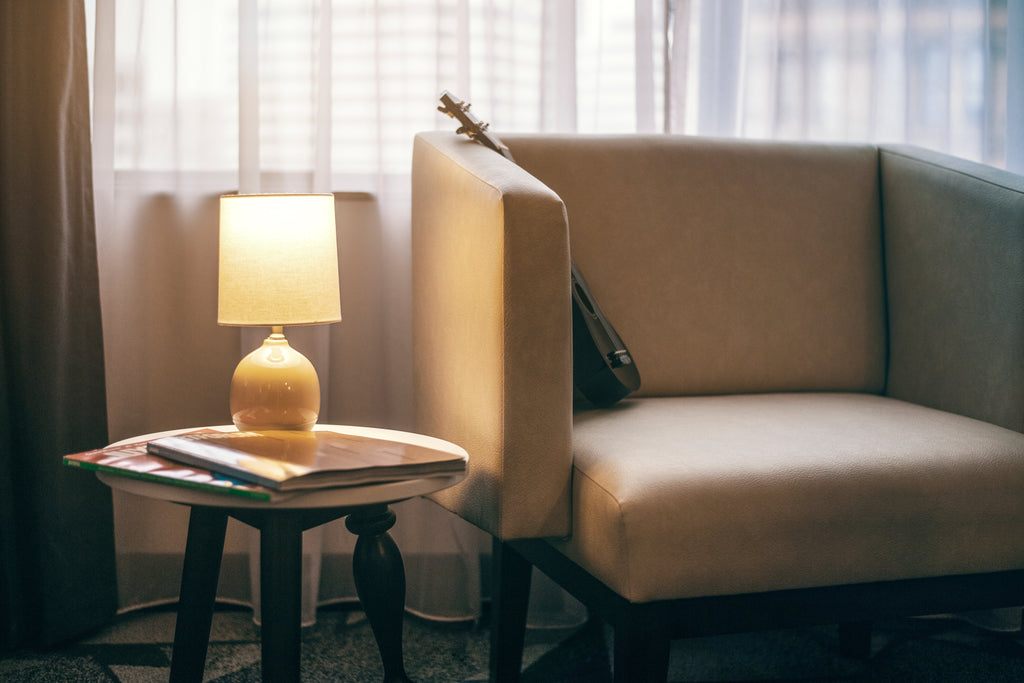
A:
[340, 647]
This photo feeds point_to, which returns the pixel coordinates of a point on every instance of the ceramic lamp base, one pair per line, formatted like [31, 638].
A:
[275, 387]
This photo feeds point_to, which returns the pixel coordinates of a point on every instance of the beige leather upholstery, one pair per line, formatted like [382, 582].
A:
[954, 249]
[779, 300]
[694, 496]
[490, 316]
[727, 268]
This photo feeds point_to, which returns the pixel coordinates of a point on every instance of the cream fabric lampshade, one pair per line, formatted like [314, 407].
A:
[278, 260]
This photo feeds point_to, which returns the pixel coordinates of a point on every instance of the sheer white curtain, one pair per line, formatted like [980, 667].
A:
[928, 72]
[195, 98]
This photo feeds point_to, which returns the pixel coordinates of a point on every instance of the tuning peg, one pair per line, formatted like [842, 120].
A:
[461, 130]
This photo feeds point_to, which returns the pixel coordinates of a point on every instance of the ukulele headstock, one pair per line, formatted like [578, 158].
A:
[470, 125]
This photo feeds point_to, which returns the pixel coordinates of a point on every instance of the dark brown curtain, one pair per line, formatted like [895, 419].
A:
[57, 576]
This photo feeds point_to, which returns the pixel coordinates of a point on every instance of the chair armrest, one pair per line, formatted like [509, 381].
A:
[492, 333]
[954, 251]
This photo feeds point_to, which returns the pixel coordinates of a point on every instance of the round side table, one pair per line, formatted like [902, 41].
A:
[377, 563]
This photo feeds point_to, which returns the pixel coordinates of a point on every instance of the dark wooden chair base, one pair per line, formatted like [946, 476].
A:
[643, 631]
[510, 599]
[855, 639]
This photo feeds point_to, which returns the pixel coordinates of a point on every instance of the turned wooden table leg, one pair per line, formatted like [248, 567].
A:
[380, 581]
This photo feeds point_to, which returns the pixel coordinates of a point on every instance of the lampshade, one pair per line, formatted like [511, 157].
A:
[278, 266]
[278, 260]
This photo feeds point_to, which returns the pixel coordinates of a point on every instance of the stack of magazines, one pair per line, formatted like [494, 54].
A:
[262, 465]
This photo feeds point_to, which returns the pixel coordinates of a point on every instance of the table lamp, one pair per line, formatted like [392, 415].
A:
[278, 266]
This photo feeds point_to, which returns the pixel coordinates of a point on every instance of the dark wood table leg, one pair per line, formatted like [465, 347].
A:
[201, 569]
[281, 595]
[380, 582]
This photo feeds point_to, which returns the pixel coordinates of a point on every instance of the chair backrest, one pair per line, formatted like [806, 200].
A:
[728, 266]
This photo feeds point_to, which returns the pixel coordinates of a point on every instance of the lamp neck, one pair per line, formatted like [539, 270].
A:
[277, 330]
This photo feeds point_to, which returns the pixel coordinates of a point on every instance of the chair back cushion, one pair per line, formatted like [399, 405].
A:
[727, 266]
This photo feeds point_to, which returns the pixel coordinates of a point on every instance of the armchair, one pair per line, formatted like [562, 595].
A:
[831, 341]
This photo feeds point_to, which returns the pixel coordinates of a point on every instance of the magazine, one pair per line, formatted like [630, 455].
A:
[133, 460]
[293, 460]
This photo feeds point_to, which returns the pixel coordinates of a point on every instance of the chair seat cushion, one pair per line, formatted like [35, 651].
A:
[695, 496]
